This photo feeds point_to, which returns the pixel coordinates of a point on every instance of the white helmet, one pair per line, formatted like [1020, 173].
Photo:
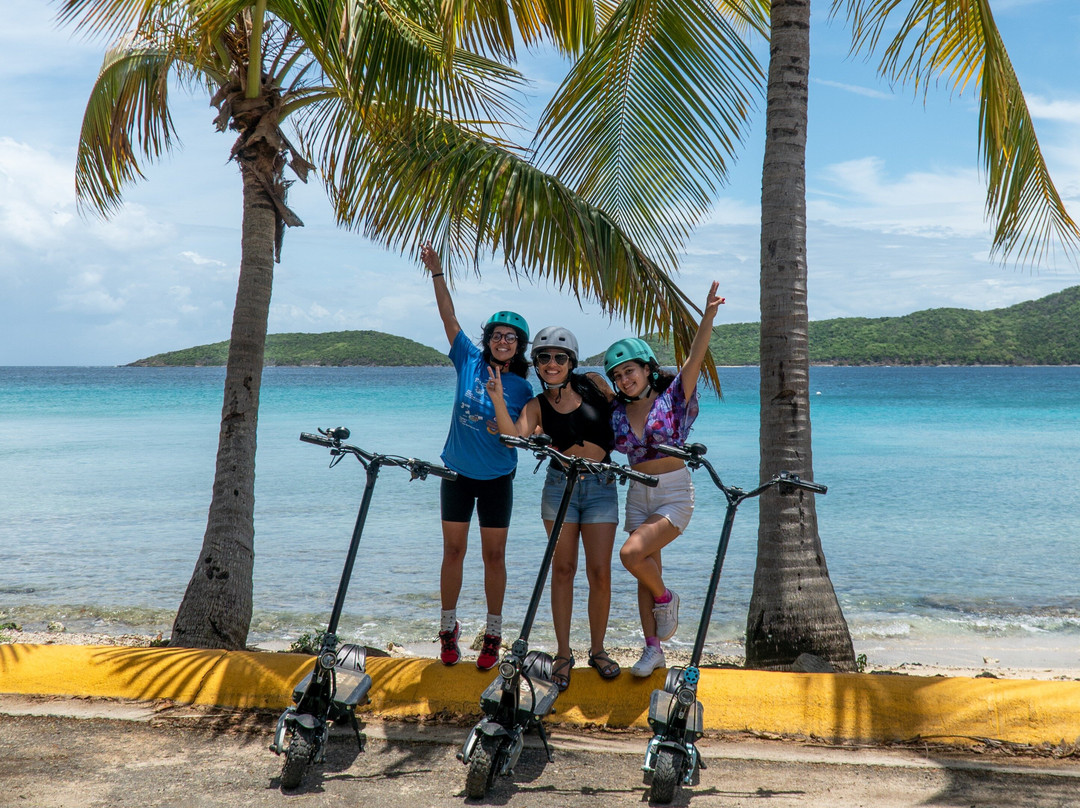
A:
[555, 336]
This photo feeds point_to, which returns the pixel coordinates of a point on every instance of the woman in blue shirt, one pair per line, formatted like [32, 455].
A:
[485, 467]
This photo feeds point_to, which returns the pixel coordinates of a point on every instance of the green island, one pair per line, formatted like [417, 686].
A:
[336, 348]
[1036, 332]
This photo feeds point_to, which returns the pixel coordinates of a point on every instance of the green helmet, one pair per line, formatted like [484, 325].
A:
[626, 350]
[510, 318]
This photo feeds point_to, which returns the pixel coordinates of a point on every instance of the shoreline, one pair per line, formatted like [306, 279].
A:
[1014, 658]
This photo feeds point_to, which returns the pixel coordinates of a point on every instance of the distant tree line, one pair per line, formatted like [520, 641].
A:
[338, 348]
[1037, 332]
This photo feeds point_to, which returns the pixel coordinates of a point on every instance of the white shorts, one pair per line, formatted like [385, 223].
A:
[673, 498]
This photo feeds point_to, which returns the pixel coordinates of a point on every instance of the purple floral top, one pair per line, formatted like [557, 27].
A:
[669, 422]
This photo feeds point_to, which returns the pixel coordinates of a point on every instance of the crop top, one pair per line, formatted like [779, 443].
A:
[669, 421]
[588, 422]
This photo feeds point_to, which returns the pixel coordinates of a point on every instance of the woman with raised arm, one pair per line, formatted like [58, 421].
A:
[574, 409]
[485, 467]
[654, 407]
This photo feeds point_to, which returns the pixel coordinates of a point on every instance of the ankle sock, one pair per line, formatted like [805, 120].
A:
[664, 598]
[653, 641]
[494, 625]
[449, 618]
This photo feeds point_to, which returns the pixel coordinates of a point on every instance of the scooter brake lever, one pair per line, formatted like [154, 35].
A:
[539, 463]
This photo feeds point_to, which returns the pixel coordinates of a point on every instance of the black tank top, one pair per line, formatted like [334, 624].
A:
[588, 422]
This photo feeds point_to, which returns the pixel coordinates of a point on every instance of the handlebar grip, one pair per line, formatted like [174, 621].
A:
[786, 478]
[513, 440]
[319, 440]
[674, 451]
[442, 471]
[645, 479]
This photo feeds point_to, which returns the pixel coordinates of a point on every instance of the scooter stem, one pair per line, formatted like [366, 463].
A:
[549, 552]
[354, 545]
[714, 581]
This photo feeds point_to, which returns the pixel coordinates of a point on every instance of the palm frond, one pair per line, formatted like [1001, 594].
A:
[127, 115]
[404, 182]
[393, 55]
[958, 41]
[647, 120]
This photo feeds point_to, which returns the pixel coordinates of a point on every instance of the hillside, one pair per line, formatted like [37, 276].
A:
[1036, 332]
[339, 348]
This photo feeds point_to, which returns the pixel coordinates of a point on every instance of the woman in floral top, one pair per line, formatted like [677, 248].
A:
[655, 407]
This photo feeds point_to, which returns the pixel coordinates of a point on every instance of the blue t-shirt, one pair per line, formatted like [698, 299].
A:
[472, 447]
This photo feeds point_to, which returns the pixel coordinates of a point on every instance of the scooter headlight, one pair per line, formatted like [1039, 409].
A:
[507, 670]
[686, 696]
[327, 660]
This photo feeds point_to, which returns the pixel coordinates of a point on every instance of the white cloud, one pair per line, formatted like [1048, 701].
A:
[86, 293]
[1054, 110]
[199, 260]
[858, 193]
[868, 92]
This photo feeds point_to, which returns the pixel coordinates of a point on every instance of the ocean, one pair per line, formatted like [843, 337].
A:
[951, 525]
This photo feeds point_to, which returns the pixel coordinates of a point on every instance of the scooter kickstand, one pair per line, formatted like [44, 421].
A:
[543, 737]
[356, 728]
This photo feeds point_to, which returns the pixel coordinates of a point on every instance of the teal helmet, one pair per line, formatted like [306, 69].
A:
[626, 350]
[510, 318]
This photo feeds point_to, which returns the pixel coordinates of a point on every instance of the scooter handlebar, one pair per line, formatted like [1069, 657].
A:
[428, 468]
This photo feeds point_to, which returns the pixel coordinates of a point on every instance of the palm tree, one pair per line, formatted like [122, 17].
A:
[793, 607]
[259, 61]
[370, 88]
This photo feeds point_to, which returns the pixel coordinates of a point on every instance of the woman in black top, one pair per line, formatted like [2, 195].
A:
[575, 411]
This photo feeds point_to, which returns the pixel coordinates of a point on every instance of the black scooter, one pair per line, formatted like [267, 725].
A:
[523, 692]
[675, 714]
[338, 682]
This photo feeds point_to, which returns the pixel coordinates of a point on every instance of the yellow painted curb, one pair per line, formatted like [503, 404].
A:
[840, 707]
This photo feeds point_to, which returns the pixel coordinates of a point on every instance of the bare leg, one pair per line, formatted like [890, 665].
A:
[598, 540]
[455, 543]
[493, 547]
[563, 569]
[641, 556]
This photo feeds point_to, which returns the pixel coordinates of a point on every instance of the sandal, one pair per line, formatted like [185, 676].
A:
[607, 667]
[560, 672]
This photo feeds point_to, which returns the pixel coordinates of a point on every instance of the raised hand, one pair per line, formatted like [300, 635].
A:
[430, 258]
[494, 384]
[713, 302]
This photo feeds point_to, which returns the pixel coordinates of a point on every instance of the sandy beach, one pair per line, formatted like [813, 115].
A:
[1004, 658]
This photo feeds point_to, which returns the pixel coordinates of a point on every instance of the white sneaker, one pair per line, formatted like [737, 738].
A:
[651, 659]
[667, 618]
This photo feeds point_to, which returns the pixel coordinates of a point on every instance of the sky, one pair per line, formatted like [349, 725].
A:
[895, 206]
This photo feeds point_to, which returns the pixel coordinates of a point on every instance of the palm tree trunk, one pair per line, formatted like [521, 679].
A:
[217, 606]
[793, 608]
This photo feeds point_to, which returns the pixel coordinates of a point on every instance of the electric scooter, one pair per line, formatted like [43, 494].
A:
[675, 714]
[523, 691]
[339, 681]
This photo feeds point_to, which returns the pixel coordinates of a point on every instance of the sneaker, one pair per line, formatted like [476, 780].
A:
[651, 659]
[489, 653]
[667, 618]
[450, 653]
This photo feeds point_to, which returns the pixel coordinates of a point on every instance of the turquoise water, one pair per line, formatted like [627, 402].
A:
[952, 508]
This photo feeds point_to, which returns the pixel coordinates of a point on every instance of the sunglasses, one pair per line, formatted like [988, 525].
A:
[559, 358]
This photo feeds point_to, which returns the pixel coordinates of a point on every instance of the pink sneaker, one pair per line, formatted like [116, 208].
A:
[450, 653]
[489, 653]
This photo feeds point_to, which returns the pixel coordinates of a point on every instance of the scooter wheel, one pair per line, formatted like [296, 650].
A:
[666, 776]
[482, 769]
[297, 757]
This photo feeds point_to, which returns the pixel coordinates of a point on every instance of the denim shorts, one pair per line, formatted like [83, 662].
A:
[673, 498]
[593, 501]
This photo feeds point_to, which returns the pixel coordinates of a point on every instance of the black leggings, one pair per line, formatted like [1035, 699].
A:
[494, 500]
